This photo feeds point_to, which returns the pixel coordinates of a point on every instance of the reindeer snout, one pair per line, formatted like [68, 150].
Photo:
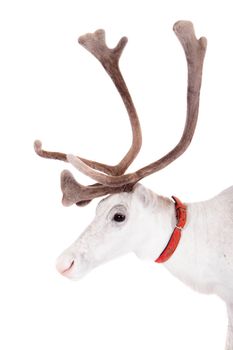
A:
[65, 264]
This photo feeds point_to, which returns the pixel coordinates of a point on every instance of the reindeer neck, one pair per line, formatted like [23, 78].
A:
[183, 262]
[189, 257]
[158, 220]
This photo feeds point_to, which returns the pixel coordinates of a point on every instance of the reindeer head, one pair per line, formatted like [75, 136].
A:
[114, 230]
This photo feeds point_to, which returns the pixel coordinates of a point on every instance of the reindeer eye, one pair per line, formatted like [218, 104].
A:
[119, 217]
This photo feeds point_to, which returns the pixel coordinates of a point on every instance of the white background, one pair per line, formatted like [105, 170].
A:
[54, 90]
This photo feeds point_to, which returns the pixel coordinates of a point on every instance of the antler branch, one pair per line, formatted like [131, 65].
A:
[75, 193]
[108, 169]
[109, 58]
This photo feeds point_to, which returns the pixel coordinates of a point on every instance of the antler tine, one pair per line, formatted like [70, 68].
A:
[195, 52]
[108, 169]
[109, 58]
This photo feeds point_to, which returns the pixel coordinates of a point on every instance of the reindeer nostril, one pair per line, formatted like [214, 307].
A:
[65, 265]
[68, 268]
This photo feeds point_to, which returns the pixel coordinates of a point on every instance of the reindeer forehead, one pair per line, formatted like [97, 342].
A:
[114, 200]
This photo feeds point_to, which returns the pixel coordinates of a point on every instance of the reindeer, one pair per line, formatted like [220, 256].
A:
[133, 218]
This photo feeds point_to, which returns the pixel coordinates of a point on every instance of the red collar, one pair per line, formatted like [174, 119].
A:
[181, 215]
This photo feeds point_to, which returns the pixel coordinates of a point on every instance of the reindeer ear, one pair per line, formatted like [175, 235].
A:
[144, 195]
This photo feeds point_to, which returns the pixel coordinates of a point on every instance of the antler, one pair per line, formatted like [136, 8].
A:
[194, 51]
[115, 180]
[109, 58]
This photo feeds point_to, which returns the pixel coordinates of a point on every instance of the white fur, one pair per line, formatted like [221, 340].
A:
[203, 259]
